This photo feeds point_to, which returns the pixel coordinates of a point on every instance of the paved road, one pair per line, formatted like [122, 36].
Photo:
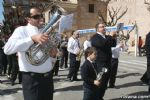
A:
[128, 84]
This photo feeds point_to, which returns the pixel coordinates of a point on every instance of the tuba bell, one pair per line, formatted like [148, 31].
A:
[37, 54]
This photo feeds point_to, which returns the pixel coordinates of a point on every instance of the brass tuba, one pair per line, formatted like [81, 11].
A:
[37, 54]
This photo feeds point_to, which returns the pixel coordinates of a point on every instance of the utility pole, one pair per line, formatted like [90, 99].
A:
[136, 40]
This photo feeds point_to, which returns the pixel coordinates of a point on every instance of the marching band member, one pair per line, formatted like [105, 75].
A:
[74, 50]
[37, 81]
[103, 44]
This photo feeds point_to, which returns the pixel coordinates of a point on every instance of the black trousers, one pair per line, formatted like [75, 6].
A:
[76, 70]
[4, 62]
[15, 70]
[113, 71]
[139, 50]
[56, 67]
[74, 67]
[90, 94]
[105, 77]
[37, 86]
[64, 58]
[10, 63]
[144, 78]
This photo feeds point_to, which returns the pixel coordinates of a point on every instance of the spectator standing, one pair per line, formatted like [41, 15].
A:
[57, 63]
[140, 43]
[10, 64]
[1, 56]
[15, 70]
[63, 48]
[4, 39]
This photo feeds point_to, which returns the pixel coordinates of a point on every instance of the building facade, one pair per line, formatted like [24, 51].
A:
[85, 13]
[137, 12]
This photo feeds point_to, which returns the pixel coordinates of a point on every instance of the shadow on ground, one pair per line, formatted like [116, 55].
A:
[70, 88]
[138, 83]
[9, 91]
[128, 74]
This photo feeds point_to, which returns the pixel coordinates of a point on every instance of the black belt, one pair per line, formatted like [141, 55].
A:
[37, 74]
[73, 54]
[115, 58]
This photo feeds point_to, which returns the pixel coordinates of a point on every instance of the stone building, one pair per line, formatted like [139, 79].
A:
[137, 12]
[87, 13]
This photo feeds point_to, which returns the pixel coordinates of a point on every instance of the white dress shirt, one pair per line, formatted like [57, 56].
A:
[73, 45]
[86, 44]
[102, 35]
[20, 41]
[116, 51]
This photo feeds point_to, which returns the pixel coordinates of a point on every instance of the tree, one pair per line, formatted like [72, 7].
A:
[113, 14]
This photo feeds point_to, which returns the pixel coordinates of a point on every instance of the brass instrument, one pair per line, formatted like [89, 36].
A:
[100, 74]
[37, 54]
[78, 57]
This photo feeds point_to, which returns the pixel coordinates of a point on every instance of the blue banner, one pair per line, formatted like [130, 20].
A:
[108, 29]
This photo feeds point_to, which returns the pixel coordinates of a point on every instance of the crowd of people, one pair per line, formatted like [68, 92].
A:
[100, 50]
[8, 63]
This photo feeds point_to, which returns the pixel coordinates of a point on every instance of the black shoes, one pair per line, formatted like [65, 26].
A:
[12, 83]
[111, 86]
[20, 82]
[69, 79]
[0, 81]
[8, 76]
[76, 79]
[149, 89]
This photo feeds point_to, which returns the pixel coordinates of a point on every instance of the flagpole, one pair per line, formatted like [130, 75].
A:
[136, 40]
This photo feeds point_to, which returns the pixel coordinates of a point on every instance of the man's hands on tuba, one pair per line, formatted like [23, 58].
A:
[40, 38]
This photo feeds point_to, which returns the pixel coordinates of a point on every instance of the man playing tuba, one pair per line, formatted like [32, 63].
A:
[37, 81]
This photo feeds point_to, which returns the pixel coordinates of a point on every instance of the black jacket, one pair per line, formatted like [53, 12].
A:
[103, 47]
[88, 74]
[147, 48]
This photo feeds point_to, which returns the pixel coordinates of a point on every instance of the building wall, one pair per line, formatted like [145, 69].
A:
[82, 18]
[137, 12]
[86, 19]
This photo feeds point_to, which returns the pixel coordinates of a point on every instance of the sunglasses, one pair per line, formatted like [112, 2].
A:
[37, 16]
[101, 26]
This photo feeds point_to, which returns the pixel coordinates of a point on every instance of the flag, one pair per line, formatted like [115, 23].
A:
[65, 23]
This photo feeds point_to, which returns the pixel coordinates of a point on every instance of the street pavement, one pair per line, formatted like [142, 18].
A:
[128, 84]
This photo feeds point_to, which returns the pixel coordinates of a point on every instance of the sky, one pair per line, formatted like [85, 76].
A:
[1, 11]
